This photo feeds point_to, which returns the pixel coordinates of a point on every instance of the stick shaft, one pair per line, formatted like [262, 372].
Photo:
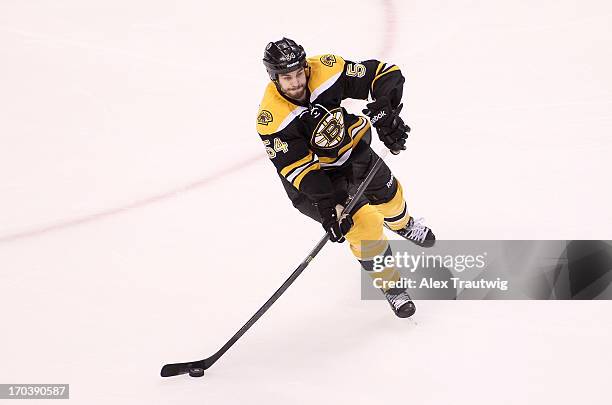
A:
[350, 204]
[352, 201]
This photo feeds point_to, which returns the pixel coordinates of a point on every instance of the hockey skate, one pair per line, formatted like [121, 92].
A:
[417, 232]
[400, 302]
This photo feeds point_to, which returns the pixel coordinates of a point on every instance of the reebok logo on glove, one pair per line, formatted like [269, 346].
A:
[378, 116]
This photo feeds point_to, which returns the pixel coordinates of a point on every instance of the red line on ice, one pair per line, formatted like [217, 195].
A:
[132, 205]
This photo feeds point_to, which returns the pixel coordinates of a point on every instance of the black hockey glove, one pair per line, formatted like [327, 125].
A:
[329, 218]
[390, 127]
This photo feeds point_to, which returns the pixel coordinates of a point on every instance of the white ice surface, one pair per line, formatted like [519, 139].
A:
[141, 223]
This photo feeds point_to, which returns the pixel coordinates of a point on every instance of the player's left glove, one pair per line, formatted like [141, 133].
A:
[390, 127]
[336, 228]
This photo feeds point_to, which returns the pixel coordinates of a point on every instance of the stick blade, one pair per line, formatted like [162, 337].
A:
[170, 370]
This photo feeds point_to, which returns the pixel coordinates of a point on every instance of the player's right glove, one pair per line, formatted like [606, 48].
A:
[389, 125]
[336, 229]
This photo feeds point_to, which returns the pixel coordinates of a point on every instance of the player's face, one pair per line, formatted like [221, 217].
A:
[293, 84]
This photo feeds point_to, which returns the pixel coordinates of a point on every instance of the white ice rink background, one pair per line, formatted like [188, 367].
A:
[141, 223]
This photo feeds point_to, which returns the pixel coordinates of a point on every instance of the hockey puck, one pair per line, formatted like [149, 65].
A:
[196, 372]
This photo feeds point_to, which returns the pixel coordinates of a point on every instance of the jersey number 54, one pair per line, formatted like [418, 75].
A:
[279, 146]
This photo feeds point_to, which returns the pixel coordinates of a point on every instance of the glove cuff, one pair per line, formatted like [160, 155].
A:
[327, 209]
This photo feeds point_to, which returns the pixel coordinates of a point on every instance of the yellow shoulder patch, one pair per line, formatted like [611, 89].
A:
[322, 69]
[273, 111]
[265, 117]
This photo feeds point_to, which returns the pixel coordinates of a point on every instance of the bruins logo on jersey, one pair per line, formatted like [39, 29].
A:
[264, 117]
[330, 130]
[328, 60]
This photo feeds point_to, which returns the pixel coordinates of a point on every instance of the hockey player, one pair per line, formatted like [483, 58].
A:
[322, 152]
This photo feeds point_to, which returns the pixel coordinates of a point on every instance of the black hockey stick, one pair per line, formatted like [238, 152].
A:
[196, 368]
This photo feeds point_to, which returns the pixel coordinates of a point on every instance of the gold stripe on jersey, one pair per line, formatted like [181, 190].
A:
[360, 133]
[328, 160]
[357, 124]
[275, 112]
[293, 165]
[296, 171]
[382, 70]
[300, 177]
[356, 131]
[323, 69]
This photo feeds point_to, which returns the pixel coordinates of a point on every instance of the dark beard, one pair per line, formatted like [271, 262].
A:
[300, 97]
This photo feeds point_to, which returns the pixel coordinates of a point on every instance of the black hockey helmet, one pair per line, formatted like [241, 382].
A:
[283, 56]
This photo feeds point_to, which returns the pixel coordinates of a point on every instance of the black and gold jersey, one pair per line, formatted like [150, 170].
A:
[304, 140]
